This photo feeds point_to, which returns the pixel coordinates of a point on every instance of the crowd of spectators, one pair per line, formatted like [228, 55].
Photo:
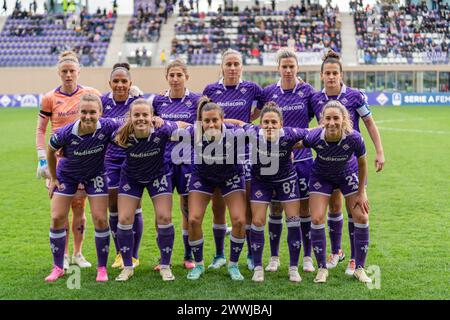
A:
[254, 31]
[411, 32]
[85, 33]
[146, 23]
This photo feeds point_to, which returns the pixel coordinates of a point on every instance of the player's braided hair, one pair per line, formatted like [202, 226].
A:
[331, 57]
[127, 129]
[347, 124]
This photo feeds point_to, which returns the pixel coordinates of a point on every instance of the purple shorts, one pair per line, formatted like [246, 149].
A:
[181, 176]
[205, 185]
[303, 169]
[247, 166]
[348, 184]
[113, 168]
[263, 191]
[94, 187]
[155, 187]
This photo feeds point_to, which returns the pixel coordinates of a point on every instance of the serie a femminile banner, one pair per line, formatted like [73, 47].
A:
[374, 99]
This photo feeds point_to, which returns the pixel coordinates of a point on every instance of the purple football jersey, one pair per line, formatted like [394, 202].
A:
[236, 101]
[278, 152]
[118, 111]
[145, 157]
[296, 107]
[83, 156]
[353, 99]
[184, 109]
[217, 160]
[335, 159]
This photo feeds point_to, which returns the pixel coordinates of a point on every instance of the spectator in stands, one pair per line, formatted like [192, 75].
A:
[304, 27]
[115, 6]
[138, 56]
[144, 56]
[411, 32]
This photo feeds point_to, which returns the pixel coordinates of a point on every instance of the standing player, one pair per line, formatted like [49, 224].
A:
[293, 96]
[215, 166]
[273, 171]
[60, 107]
[144, 168]
[84, 145]
[356, 103]
[237, 98]
[340, 163]
[179, 104]
[116, 105]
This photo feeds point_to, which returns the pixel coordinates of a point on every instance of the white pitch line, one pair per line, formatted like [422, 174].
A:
[415, 130]
[397, 120]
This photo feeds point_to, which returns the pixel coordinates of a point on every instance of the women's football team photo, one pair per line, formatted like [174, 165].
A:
[211, 147]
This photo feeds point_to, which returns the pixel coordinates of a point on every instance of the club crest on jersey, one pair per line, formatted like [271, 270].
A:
[300, 94]
[292, 195]
[345, 147]
[218, 92]
[58, 102]
[74, 143]
[126, 187]
[156, 140]
[275, 96]
[101, 136]
[62, 187]
[320, 147]
[188, 103]
[198, 184]
[258, 194]
[321, 102]
[108, 107]
[164, 104]
[284, 144]
[243, 90]
[344, 101]
[317, 185]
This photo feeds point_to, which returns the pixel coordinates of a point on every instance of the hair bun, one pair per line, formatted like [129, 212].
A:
[331, 54]
[122, 65]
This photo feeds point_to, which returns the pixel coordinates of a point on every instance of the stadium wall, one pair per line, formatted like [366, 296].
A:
[152, 80]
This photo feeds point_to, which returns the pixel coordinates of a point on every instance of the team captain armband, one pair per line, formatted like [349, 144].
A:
[54, 142]
[364, 110]
[45, 113]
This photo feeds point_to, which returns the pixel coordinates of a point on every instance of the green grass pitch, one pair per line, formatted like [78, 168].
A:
[409, 222]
